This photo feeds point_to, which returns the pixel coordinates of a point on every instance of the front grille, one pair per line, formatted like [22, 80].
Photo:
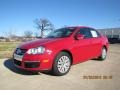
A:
[32, 64]
[19, 63]
[20, 51]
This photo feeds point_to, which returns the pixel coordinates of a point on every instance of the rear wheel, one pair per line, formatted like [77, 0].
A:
[62, 64]
[103, 54]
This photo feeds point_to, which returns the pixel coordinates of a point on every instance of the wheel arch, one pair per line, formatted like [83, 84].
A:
[67, 51]
[104, 46]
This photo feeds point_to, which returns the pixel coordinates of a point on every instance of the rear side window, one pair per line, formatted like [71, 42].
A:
[94, 33]
[86, 32]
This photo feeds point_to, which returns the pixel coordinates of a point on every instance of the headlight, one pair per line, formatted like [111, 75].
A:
[38, 50]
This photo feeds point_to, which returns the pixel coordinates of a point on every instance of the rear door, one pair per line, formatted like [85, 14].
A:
[96, 43]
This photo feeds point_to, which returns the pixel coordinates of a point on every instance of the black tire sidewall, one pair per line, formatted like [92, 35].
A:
[55, 69]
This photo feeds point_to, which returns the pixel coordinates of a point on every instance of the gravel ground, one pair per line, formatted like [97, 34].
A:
[89, 75]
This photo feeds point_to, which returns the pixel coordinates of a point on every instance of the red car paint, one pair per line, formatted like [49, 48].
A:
[80, 50]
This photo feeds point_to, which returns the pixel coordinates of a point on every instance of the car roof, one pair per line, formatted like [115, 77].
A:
[79, 27]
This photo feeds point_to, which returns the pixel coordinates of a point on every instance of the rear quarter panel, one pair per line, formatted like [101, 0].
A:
[105, 42]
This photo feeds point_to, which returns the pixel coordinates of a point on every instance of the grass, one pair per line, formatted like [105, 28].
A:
[7, 49]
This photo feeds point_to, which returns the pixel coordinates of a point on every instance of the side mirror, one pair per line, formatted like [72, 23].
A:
[79, 36]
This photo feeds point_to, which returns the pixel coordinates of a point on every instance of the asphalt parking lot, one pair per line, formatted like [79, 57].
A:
[89, 75]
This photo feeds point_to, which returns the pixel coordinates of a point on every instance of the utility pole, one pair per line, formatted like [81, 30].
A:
[119, 35]
[112, 32]
[119, 31]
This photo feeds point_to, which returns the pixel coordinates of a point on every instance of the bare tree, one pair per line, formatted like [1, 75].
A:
[43, 24]
[28, 34]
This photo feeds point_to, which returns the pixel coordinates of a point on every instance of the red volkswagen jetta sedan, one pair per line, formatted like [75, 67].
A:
[61, 49]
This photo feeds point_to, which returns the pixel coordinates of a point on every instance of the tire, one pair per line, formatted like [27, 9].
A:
[62, 64]
[103, 54]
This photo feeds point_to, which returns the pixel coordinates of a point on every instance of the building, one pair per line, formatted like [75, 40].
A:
[111, 32]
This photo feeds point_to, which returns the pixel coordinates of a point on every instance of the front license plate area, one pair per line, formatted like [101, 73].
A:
[18, 57]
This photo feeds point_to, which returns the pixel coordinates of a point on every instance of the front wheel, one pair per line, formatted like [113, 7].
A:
[62, 64]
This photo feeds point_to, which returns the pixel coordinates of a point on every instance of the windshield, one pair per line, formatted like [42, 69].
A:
[60, 33]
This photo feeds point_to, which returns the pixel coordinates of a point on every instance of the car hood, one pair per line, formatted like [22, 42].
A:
[37, 43]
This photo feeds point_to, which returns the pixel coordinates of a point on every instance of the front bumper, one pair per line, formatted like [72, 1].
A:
[34, 62]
